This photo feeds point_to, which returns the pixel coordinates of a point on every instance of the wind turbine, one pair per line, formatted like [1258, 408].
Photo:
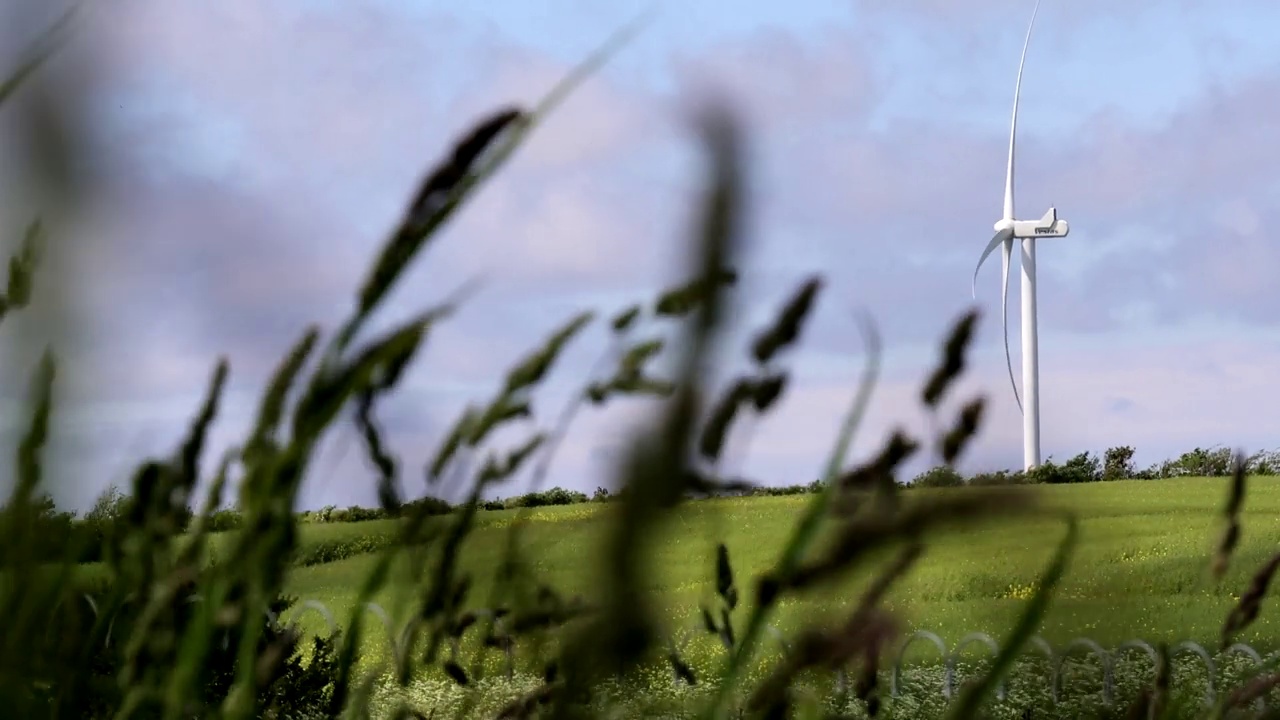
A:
[1007, 229]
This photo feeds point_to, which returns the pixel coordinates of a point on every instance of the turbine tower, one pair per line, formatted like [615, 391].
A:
[1007, 229]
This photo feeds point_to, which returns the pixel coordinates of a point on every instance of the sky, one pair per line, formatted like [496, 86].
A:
[238, 163]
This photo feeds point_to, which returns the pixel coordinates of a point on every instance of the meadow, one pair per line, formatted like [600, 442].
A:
[1140, 570]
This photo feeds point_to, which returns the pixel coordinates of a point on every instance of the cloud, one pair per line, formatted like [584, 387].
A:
[246, 161]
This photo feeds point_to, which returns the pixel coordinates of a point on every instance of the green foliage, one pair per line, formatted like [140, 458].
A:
[224, 520]
[1117, 463]
[1266, 462]
[297, 686]
[1199, 462]
[327, 551]
[553, 496]
[941, 476]
[999, 477]
[1082, 468]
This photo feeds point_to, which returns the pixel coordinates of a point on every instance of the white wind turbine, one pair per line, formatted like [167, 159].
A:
[1027, 231]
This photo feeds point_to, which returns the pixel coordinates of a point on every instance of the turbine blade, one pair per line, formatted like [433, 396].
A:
[1004, 236]
[1013, 124]
[1006, 255]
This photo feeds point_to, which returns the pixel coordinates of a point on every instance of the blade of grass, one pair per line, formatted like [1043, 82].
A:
[41, 51]
[807, 529]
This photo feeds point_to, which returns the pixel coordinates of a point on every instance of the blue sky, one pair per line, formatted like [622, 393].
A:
[244, 160]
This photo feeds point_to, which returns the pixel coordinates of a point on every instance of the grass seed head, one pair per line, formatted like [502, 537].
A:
[533, 369]
[625, 319]
[767, 390]
[716, 430]
[952, 362]
[966, 428]
[1231, 534]
[786, 329]
[1247, 608]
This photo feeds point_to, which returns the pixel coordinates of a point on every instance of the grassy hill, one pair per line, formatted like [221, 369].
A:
[1140, 569]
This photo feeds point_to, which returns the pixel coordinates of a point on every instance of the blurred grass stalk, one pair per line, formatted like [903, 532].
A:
[42, 190]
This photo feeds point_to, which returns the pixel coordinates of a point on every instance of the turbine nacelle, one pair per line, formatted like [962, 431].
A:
[1049, 226]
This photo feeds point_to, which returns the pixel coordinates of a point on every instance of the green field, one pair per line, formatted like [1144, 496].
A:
[1140, 571]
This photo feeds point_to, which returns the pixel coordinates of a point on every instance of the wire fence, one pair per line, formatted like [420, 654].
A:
[1056, 658]
[398, 643]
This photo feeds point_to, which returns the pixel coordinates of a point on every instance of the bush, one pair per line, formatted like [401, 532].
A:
[1266, 462]
[430, 505]
[356, 513]
[1084, 467]
[999, 477]
[1117, 463]
[323, 515]
[327, 551]
[554, 496]
[784, 490]
[941, 476]
[1213, 462]
[225, 520]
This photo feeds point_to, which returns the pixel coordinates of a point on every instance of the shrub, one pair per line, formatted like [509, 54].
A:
[999, 477]
[1048, 472]
[1213, 462]
[110, 506]
[1117, 463]
[783, 490]
[1266, 462]
[356, 513]
[554, 496]
[1084, 467]
[225, 520]
[327, 551]
[318, 516]
[427, 505]
[941, 476]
